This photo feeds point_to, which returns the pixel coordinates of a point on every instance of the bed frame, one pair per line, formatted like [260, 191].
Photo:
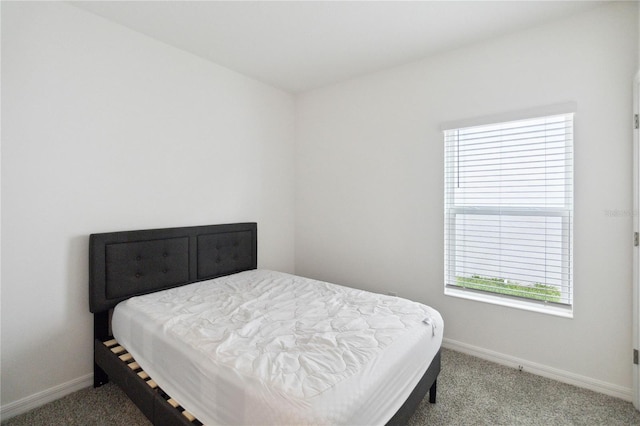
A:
[131, 263]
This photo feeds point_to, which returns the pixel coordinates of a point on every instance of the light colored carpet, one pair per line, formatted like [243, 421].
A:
[471, 391]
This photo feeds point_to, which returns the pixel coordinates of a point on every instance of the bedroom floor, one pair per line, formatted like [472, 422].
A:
[471, 391]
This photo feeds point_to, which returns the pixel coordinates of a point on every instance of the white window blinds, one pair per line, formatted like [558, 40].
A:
[509, 209]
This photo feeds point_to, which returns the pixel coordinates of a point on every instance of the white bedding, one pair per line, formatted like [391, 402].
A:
[263, 347]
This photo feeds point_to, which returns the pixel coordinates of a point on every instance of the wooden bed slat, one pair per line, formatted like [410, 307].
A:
[188, 415]
[110, 343]
[126, 357]
[117, 350]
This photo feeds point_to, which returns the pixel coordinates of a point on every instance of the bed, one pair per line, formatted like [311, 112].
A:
[194, 333]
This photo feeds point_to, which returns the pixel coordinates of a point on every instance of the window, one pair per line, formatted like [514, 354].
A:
[509, 213]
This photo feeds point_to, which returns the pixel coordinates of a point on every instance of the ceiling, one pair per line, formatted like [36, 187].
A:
[301, 45]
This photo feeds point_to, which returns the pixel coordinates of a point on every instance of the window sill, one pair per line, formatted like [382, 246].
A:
[533, 306]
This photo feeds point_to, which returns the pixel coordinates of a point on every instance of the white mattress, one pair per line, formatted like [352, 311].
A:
[263, 347]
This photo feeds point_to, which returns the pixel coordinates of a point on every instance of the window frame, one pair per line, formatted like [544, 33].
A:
[564, 212]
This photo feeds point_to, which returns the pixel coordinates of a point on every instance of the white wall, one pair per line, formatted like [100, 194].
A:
[105, 129]
[369, 185]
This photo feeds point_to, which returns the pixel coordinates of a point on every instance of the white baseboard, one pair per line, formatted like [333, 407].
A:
[542, 370]
[36, 400]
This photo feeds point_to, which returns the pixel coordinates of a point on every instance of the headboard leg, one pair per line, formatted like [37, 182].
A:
[101, 325]
[100, 334]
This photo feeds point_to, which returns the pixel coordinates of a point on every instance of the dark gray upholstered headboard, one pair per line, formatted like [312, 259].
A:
[130, 263]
